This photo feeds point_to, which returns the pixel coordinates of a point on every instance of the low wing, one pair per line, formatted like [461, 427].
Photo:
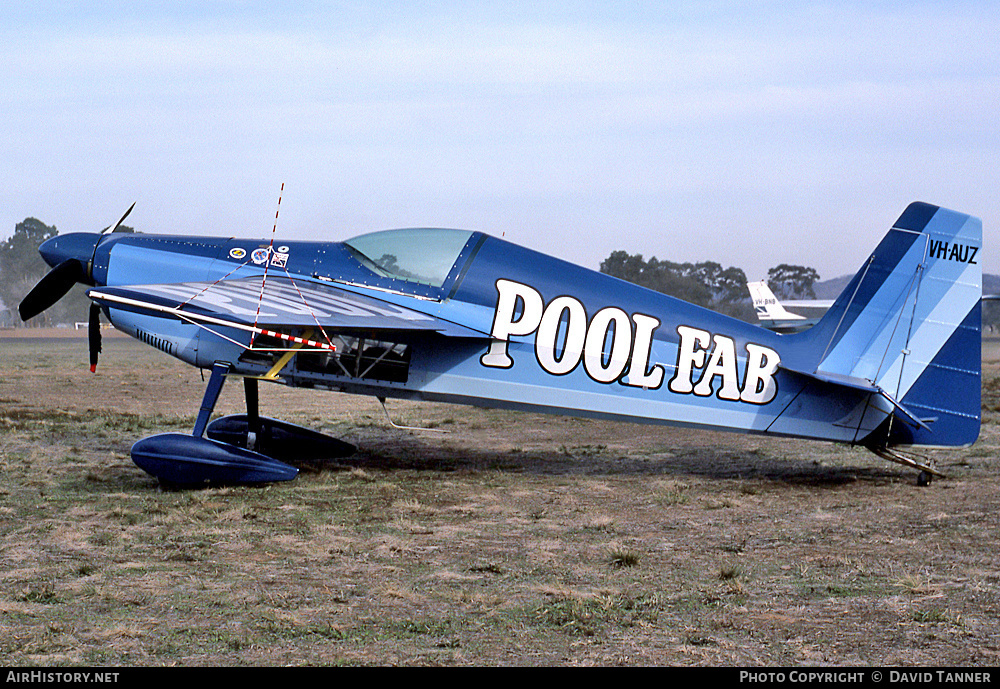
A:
[282, 304]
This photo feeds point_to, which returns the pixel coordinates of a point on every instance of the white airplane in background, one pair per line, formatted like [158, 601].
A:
[773, 315]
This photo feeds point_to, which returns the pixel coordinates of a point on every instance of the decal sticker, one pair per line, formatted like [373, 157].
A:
[238, 253]
[259, 256]
[279, 260]
[616, 346]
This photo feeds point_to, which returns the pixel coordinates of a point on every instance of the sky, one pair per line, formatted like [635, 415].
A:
[746, 133]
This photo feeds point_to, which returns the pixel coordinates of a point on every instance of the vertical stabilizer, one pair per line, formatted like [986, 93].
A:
[766, 305]
[909, 322]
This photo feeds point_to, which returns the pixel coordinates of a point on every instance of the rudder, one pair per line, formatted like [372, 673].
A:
[910, 323]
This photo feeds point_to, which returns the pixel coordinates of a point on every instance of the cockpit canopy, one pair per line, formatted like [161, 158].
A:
[423, 256]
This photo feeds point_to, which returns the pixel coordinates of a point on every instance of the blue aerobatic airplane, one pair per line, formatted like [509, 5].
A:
[463, 317]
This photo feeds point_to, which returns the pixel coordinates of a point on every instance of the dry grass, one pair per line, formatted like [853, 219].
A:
[513, 540]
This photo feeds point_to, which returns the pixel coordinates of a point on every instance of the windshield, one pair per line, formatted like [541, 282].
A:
[424, 256]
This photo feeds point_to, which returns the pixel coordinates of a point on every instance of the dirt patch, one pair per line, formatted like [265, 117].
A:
[510, 539]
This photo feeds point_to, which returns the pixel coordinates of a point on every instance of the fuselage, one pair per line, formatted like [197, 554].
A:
[544, 334]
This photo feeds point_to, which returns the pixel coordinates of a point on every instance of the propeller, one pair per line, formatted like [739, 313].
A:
[94, 335]
[119, 223]
[72, 257]
[51, 288]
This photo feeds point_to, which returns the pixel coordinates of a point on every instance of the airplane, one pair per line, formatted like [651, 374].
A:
[773, 315]
[461, 316]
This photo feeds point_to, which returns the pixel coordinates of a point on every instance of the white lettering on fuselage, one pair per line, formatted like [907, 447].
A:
[696, 346]
[580, 342]
[615, 346]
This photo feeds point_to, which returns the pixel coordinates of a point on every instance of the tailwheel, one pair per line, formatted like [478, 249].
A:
[926, 466]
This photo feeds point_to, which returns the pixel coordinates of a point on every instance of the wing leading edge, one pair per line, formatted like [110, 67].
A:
[279, 303]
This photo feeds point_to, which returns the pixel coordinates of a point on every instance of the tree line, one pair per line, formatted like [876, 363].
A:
[724, 290]
[707, 283]
[21, 266]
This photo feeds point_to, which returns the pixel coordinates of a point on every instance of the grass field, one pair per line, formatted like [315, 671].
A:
[510, 539]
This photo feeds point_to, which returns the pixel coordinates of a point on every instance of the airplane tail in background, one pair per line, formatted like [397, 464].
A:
[767, 306]
[908, 328]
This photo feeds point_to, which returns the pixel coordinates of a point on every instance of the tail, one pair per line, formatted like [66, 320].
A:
[908, 327]
[769, 309]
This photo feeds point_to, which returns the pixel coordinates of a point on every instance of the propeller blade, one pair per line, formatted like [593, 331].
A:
[119, 223]
[51, 288]
[94, 335]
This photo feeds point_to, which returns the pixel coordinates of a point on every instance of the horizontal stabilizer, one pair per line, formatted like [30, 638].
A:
[864, 385]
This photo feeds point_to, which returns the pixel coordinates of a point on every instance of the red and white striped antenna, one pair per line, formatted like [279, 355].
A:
[270, 249]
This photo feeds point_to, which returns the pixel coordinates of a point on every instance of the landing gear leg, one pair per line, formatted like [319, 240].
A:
[923, 464]
[274, 438]
[194, 460]
[219, 371]
[253, 412]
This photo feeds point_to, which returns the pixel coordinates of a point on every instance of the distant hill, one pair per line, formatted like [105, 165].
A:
[991, 284]
[831, 289]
